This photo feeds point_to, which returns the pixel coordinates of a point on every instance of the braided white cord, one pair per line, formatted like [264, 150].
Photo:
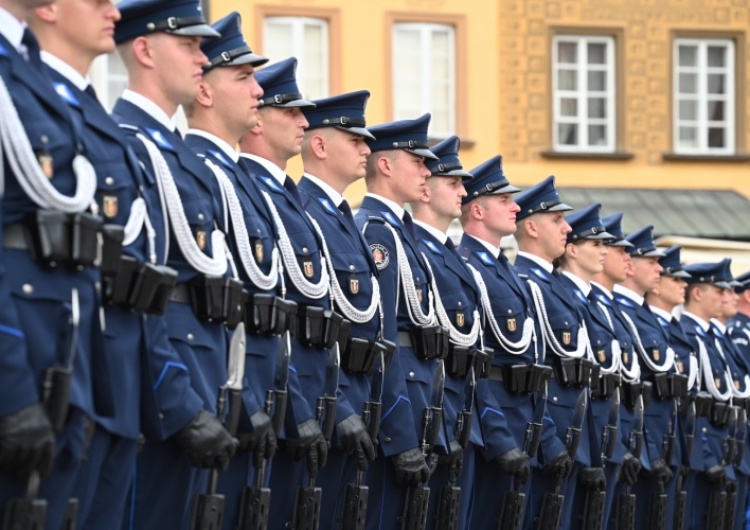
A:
[514, 348]
[668, 363]
[311, 290]
[708, 379]
[735, 392]
[215, 266]
[461, 339]
[262, 281]
[616, 348]
[582, 348]
[405, 277]
[634, 373]
[137, 221]
[25, 165]
[347, 309]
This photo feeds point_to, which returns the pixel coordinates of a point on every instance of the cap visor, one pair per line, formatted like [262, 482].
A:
[196, 30]
[426, 153]
[562, 207]
[620, 243]
[248, 58]
[601, 235]
[361, 131]
[455, 173]
[295, 103]
[652, 254]
[722, 285]
[678, 274]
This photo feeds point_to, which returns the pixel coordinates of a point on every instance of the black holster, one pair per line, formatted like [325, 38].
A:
[140, 286]
[266, 314]
[217, 298]
[319, 327]
[663, 385]
[605, 386]
[430, 342]
[460, 360]
[572, 372]
[55, 237]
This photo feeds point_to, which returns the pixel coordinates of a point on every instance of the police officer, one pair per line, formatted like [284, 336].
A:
[584, 257]
[541, 235]
[266, 148]
[159, 43]
[506, 404]
[458, 306]
[395, 175]
[334, 154]
[36, 301]
[224, 109]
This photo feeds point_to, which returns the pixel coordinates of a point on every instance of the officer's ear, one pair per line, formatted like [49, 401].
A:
[529, 227]
[46, 13]
[142, 51]
[318, 145]
[205, 97]
[385, 164]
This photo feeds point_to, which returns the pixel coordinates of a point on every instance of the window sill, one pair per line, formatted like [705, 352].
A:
[678, 157]
[617, 155]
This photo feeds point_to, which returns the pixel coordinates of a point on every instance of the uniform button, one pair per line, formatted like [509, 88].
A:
[704, 430]
[386, 439]
[554, 398]
[201, 217]
[161, 415]
[98, 287]
[257, 230]
[190, 336]
[411, 374]
[109, 181]
[304, 249]
[44, 139]
[27, 288]
[351, 267]
[510, 311]
[566, 323]
[459, 304]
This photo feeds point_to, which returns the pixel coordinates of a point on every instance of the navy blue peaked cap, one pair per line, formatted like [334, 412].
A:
[731, 280]
[744, 282]
[711, 273]
[230, 49]
[541, 198]
[613, 225]
[178, 17]
[671, 263]
[409, 135]
[586, 224]
[489, 179]
[448, 163]
[345, 111]
[279, 84]
[643, 243]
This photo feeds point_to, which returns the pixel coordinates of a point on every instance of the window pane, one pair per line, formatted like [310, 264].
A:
[568, 107]
[598, 81]
[688, 110]
[716, 110]
[597, 108]
[688, 84]
[688, 55]
[716, 137]
[597, 53]
[717, 56]
[567, 80]
[597, 135]
[716, 84]
[688, 137]
[568, 133]
[278, 40]
[566, 52]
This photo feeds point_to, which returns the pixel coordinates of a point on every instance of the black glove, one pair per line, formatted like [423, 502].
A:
[560, 466]
[27, 442]
[262, 439]
[454, 460]
[411, 468]
[355, 440]
[310, 443]
[206, 442]
[592, 478]
[631, 466]
[515, 462]
[716, 473]
[660, 470]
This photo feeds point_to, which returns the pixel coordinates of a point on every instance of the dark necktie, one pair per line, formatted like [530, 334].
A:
[291, 187]
[91, 92]
[409, 225]
[346, 210]
[592, 297]
[449, 245]
[32, 49]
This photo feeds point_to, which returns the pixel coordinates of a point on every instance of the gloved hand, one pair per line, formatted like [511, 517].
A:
[631, 466]
[411, 468]
[454, 460]
[660, 470]
[560, 466]
[592, 478]
[311, 443]
[355, 440]
[27, 442]
[262, 439]
[514, 462]
[206, 442]
[716, 473]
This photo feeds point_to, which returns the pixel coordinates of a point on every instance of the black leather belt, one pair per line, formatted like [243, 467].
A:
[181, 293]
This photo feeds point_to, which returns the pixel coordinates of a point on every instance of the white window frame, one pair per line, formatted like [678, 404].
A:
[426, 95]
[703, 97]
[101, 76]
[581, 94]
[298, 25]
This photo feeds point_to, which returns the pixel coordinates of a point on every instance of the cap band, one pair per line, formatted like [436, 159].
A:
[411, 144]
[279, 99]
[173, 23]
[227, 57]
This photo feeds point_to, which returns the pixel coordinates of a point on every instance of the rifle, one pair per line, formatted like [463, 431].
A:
[30, 512]
[552, 504]
[514, 501]
[681, 502]
[593, 511]
[658, 510]
[414, 516]
[208, 510]
[356, 495]
[625, 510]
[306, 514]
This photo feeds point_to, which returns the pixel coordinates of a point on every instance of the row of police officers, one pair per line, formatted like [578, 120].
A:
[191, 339]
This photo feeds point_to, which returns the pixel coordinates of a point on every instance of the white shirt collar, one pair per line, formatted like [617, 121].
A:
[335, 196]
[629, 293]
[12, 29]
[546, 265]
[149, 107]
[65, 70]
[275, 171]
[604, 289]
[719, 324]
[495, 251]
[584, 287]
[666, 315]
[439, 235]
[227, 149]
[702, 323]
[396, 208]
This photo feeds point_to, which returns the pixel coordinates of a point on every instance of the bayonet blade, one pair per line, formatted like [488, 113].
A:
[470, 389]
[332, 370]
[638, 415]
[690, 419]
[580, 413]
[283, 360]
[541, 405]
[237, 351]
[438, 385]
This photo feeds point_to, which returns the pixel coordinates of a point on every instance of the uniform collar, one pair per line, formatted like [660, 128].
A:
[150, 108]
[11, 28]
[397, 209]
[543, 263]
[658, 311]
[335, 196]
[603, 289]
[227, 149]
[495, 251]
[437, 234]
[65, 70]
[702, 323]
[584, 287]
[275, 171]
[719, 324]
[629, 293]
